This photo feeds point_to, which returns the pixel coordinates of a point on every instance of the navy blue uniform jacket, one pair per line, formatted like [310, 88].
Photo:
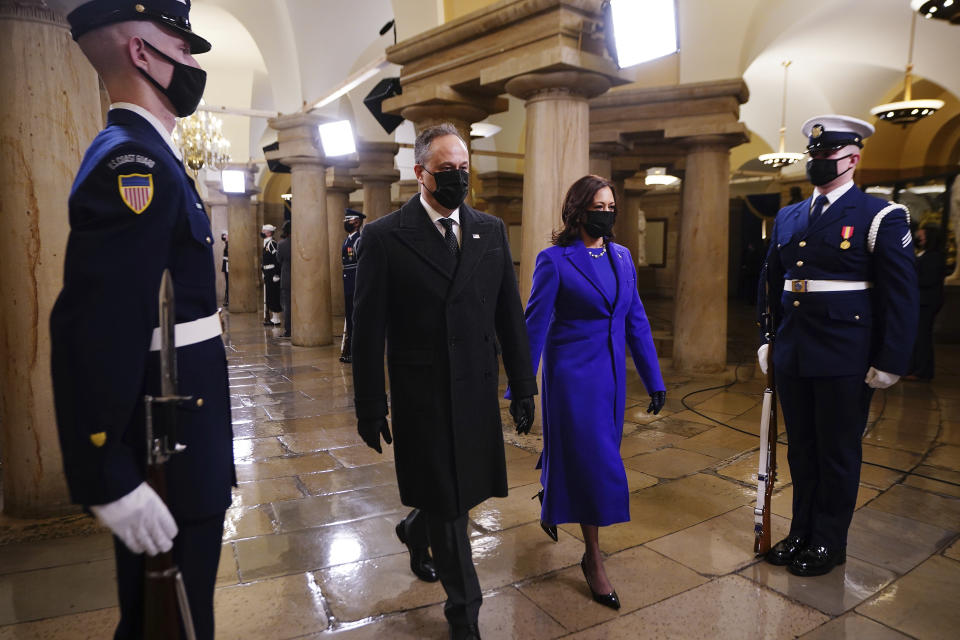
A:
[103, 320]
[843, 333]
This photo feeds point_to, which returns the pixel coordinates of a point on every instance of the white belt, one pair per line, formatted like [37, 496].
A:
[820, 286]
[187, 333]
[268, 266]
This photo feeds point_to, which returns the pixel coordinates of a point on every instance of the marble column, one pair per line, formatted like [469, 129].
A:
[49, 114]
[701, 294]
[245, 248]
[340, 184]
[376, 172]
[555, 102]
[460, 115]
[300, 149]
[216, 204]
[628, 221]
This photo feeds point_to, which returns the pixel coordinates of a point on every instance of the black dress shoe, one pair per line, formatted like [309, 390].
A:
[786, 550]
[464, 632]
[420, 561]
[549, 529]
[816, 561]
[606, 599]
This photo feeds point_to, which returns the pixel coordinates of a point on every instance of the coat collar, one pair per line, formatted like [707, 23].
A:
[134, 115]
[577, 254]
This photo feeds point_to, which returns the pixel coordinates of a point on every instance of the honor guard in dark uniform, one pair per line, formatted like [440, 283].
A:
[352, 221]
[843, 297]
[134, 213]
[225, 269]
[272, 305]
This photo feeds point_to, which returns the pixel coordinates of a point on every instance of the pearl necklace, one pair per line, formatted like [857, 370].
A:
[602, 253]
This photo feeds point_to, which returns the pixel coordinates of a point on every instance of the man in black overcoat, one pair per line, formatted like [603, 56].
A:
[436, 287]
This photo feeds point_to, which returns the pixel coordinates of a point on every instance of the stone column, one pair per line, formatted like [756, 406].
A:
[245, 248]
[340, 184]
[376, 172]
[701, 294]
[310, 287]
[50, 113]
[460, 114]
[555, 102]
[628, 222]
[216, 204]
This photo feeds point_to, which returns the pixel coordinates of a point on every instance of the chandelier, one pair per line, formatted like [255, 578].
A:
[948, 10]
[659, 176]
[200, 139]
[907, 111]
[782, 158]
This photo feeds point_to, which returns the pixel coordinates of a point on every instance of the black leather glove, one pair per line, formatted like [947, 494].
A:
[522, 410]
[370, 431]
[657, 398]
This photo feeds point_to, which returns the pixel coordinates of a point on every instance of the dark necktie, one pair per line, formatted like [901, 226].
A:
[450, 237]
[818, 206]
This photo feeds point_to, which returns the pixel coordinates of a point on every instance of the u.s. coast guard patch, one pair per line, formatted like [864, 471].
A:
[136, 189]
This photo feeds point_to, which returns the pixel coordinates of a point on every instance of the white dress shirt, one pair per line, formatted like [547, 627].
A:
[832, 197]
[435, 219]
[152, 119]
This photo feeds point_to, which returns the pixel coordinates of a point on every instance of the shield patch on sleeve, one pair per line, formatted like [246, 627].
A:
[136, 190]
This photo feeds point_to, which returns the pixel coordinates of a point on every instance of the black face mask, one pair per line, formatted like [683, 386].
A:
[599, 224]
[186, 84]
[349, 227]
[821, 171]
[452, 187]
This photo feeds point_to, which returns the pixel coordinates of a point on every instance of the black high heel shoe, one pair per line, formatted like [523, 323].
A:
[549, 529]
[606, 599]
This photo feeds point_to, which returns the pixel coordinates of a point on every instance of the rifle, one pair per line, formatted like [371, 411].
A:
[165, 604]
[767, 472]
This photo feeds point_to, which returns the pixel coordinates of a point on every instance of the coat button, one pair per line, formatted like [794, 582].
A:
[856, 317]
[199, 402]
[799, 263]
[796, 303]
[209, 240]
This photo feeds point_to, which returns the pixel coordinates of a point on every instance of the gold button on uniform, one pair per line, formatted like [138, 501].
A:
[796, 303]
[209, 240]
[856, 317]
[799, 263]
[803, 243]
[199, 402]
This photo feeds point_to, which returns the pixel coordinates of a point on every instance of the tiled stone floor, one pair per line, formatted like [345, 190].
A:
[309, 549]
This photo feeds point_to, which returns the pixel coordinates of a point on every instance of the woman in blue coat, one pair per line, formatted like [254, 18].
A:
[583, 310]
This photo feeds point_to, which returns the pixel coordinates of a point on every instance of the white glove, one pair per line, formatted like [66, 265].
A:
[762, 357]
[140, 519]
[276, 278]
[880, 379]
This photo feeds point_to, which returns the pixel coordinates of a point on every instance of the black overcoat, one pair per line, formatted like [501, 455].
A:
[440, 321]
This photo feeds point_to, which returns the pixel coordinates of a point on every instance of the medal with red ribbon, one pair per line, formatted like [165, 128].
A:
[846, 233]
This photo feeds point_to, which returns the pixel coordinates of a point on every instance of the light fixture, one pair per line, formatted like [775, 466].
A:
[926, 189]
[879, 191]
[483, 130]
[908, 110]
[948, 10]
[658, 175]
[200, 139]
[233, 181]
[639, 30]
[337, 138]
[782, 158]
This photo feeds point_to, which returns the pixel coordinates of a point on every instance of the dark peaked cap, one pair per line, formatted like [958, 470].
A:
[172, 14]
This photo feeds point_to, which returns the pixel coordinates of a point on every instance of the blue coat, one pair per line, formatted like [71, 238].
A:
[581, 334]
[843, 333]
[133, 213]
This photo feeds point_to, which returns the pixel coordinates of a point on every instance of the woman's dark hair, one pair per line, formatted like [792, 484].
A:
[579, 198]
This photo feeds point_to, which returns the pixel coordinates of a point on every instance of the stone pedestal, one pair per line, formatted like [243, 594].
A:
[50, 113]
[243, 229]
[555, 102]
[216, 204]
[376, 172]
[340, 184]
[310, 286]
[701, 297]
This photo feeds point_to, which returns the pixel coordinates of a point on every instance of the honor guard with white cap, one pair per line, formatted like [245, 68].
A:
[135, 213]
[352, 221]
[843, 301]
[272, 304]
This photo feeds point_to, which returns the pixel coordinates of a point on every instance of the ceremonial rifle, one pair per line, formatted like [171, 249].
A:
[767, 472]
[165, 597]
